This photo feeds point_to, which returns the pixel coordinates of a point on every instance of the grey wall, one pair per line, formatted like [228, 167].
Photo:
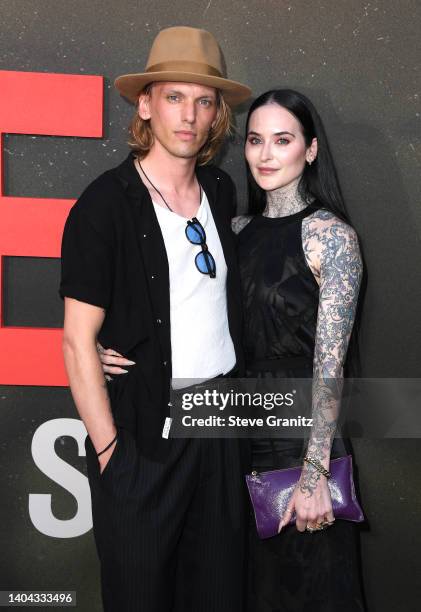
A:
[359, 63]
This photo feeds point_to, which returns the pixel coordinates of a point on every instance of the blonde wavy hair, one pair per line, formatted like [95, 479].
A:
[141, 136]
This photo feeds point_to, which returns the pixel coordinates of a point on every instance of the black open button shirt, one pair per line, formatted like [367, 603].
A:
[113, 257]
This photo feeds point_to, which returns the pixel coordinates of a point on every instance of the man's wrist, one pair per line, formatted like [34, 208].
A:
[108, 446]
[102, 438]
[105, 457]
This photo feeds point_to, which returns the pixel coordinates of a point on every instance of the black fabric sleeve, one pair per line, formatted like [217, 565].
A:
[86, 261]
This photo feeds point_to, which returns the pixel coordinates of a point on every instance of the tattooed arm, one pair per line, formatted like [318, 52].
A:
[339, 262]
[332, 251]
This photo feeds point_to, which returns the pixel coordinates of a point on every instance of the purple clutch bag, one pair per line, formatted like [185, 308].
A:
[271, 491]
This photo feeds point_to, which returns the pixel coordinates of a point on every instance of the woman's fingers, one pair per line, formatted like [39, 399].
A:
[329, 518]
[301, 523]
[115, 361]
[323, 521]
[112, 360]
[326, 516]
[286, 517]
[312, 514]
[314, 518]
[320, 522]
[110, 352]
[113, 370]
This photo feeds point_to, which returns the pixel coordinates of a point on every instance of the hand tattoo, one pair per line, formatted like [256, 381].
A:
[309, 480]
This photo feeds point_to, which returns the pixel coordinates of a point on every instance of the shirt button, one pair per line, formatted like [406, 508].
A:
[159, 321]
[165, 363]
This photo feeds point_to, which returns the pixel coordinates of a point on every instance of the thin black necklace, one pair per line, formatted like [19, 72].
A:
[159, 193]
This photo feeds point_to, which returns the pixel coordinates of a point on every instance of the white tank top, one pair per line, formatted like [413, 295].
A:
[201, 343]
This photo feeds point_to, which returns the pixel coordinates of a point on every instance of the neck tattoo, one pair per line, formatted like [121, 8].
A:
[284, 201]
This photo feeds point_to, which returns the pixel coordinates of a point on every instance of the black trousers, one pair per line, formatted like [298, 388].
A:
[171, 536]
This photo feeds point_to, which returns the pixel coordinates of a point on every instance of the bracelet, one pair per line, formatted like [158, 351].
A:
[318, 466]
[108, 446]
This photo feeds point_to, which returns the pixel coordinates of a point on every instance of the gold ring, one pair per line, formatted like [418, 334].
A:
[318, 527]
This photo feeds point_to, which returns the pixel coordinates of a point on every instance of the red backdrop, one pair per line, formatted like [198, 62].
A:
[42, 104]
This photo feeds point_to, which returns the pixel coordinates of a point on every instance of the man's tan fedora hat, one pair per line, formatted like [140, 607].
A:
[184, 54]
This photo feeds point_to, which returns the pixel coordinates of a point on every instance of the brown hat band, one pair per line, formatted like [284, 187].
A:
[185, 66]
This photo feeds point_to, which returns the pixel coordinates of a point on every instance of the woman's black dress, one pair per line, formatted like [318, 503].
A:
[291, 572]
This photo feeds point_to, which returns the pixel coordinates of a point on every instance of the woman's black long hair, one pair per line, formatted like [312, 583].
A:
[319, 181]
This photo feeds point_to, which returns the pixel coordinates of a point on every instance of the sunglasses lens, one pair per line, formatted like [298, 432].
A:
[205, 263]
[195, 233]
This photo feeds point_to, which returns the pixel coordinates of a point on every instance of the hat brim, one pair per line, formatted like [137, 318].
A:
[130, 85]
